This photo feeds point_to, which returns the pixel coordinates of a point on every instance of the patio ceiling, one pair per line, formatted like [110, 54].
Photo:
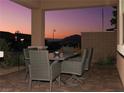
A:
[60, 4]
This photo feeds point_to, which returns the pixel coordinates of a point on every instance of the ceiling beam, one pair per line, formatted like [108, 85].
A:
[64, 4]
[28, 3]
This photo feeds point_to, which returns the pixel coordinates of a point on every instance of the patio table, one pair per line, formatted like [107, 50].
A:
[57, 59]
[53, 57]
[62, 57]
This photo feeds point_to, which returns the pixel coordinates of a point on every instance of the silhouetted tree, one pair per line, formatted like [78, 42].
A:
[114, 19]
[3, 45]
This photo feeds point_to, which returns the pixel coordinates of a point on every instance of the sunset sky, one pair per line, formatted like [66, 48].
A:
[14, 17]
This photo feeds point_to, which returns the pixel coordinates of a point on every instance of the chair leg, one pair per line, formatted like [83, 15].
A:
[70, 78]
[59, 81]
[26, 75]
[74, 77]
[50, 85]
[30, 84]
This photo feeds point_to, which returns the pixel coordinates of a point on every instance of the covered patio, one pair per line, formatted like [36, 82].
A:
[100, 78]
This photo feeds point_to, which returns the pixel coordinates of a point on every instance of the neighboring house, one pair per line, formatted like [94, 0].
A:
[13, 42]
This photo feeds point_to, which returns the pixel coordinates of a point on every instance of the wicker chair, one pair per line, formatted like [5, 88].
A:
[88, 60]
[41, 69]
[76, 66]
[68, 51]
[27, 61]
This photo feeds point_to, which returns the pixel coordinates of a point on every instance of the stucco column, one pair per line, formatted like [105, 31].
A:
[121, 29]
[38, 27]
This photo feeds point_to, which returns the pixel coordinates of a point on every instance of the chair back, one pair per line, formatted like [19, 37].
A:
[26, 59]
[83, 59]
[68, 51]
[88, 59]
[26, 53]
[40, 66]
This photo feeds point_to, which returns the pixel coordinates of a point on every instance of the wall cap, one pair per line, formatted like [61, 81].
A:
[120, 49]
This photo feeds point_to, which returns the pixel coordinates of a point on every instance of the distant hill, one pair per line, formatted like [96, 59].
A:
[51, 40]
[73, 40]
[16, 43]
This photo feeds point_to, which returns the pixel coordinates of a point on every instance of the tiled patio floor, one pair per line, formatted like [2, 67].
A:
[99, 78]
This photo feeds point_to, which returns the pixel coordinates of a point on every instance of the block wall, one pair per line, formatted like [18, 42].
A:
[103, 43]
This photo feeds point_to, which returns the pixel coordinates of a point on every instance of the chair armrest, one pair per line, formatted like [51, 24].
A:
[55, 69]
[76, 59]
[71, 67]
[27, 58]
[71, 63]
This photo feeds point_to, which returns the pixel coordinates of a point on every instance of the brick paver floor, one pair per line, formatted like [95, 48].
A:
[98, 78]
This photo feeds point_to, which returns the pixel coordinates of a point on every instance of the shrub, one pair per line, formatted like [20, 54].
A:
[107, 61]
[14, 59]
[10, 58]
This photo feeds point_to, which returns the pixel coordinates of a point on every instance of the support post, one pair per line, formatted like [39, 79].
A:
[38, 27]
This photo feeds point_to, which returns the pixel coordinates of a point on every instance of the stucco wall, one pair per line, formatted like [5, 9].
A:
[120, 66]
[120, 58]
[103, 43]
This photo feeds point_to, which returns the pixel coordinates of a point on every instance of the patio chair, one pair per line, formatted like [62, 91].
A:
[68, 51]
[27, 61]
[76, 66]
[88, 60]
[38, 47]
[40, 68]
